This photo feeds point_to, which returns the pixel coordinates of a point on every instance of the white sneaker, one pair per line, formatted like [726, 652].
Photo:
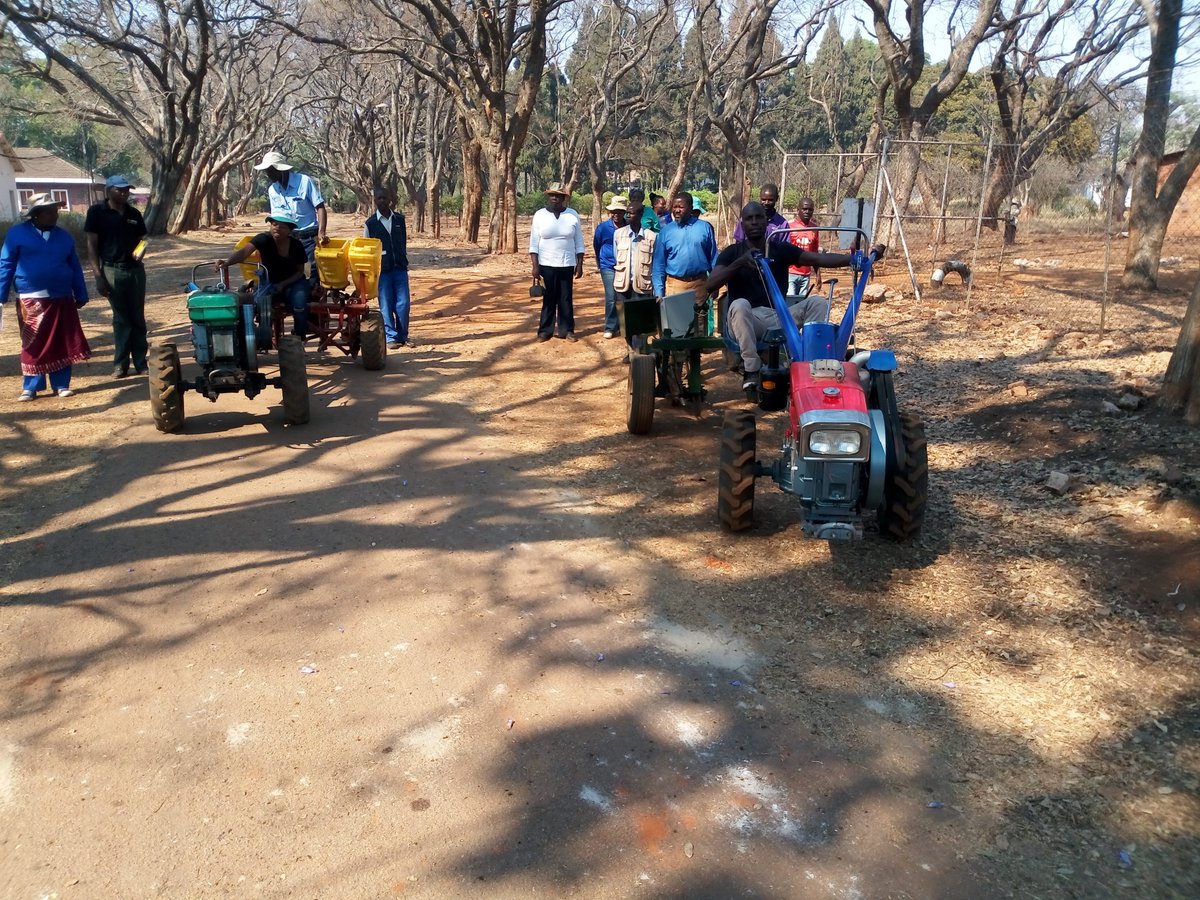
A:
[608, 335]
[26, 396]
[66, 392]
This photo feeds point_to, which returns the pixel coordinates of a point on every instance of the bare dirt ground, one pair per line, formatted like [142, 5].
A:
[462, 635]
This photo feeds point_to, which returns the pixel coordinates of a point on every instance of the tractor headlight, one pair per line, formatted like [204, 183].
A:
[834, 442]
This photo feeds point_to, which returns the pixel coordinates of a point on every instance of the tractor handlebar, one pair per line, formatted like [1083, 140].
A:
[221, 285]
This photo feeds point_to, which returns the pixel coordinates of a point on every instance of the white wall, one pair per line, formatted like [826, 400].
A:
[8, 190]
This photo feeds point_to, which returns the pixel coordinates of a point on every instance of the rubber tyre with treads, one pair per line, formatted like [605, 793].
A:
[166, 387]
[907, 489]
[735, 482]
[293, 380]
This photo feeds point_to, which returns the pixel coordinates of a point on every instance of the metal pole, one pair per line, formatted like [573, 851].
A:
[939, 233]
[1108, 224]
[912, 275]
[837, 183]
[987, 165]
[879, 176]
[783, 180]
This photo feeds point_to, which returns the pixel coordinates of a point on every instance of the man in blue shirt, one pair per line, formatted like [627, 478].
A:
[685, 252]
[776, 222]
[606, 262]
[296, 195]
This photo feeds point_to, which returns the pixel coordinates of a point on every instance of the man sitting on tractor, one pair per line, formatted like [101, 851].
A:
[283, 257]
[750, 313]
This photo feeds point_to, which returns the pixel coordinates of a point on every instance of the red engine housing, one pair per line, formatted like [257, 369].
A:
[824, 384]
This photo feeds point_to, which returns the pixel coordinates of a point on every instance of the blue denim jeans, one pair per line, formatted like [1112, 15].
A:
[295, 295]
[612, 322]
[394, 302]
[799, 285]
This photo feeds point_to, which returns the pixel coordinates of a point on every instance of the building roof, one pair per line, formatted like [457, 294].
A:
[40, 164]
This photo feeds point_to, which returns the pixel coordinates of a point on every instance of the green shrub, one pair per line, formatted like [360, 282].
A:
[528, 204]
[256, 204]
[451, 204]
[1075, 207]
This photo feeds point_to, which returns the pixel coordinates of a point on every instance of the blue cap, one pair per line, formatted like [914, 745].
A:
[117, 181]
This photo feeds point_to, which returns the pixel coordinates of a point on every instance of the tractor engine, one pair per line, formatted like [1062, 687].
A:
[827, 447]
[216, 335]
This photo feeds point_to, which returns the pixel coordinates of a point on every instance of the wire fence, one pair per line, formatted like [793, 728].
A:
[1065, 226]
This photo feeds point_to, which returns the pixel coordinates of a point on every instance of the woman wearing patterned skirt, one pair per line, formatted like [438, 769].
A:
[39, 259]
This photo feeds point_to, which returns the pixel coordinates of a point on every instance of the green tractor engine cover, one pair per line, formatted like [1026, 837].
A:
[213, 307]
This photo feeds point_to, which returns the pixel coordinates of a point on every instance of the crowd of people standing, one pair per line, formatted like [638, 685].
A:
[642, 250]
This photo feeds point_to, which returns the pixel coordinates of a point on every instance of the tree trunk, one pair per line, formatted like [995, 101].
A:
[1150, 212]
[472, 205]
[165, 179]
[495, 193]
[904, 178]
[1144, 252]
[1181, 384]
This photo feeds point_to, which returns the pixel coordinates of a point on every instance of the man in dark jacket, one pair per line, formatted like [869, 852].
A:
[387, 225]
[115, 230]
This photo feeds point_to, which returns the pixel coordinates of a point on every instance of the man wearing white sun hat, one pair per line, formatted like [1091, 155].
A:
[294, 194]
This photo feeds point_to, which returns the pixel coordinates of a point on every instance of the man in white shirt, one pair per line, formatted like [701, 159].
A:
[387, 226]
[556, 251]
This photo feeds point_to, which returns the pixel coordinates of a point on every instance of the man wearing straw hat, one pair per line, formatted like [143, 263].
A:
[39, 259]
[556, 252]
[297, 196]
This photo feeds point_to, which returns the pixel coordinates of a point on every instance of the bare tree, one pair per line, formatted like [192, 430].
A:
[755, 50]
[174, 72]
[1152, 204]
[1181, 385]
[1053, 64]
[607, 89]
[903, 52]
[489, 59]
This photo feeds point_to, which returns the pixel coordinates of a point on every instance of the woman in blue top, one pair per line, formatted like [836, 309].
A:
[606, 261]
[39, 259]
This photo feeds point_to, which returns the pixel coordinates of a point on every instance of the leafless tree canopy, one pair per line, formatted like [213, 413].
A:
[173, 72]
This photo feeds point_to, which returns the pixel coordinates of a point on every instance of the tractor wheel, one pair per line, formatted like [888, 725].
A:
[639, 400]
[293, 380]
[166, 387]
[907, 488]
[735, 496]
[371, 342]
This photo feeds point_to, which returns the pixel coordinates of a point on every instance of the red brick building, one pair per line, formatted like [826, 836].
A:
[1186, 220]
[43, 172]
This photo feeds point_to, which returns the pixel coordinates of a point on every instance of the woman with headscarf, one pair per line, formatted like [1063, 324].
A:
[40, 260]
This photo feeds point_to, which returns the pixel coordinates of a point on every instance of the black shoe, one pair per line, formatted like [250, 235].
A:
[542, 338]
[120, 371]
[139, 370]
[570, 337]
[750, 383]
